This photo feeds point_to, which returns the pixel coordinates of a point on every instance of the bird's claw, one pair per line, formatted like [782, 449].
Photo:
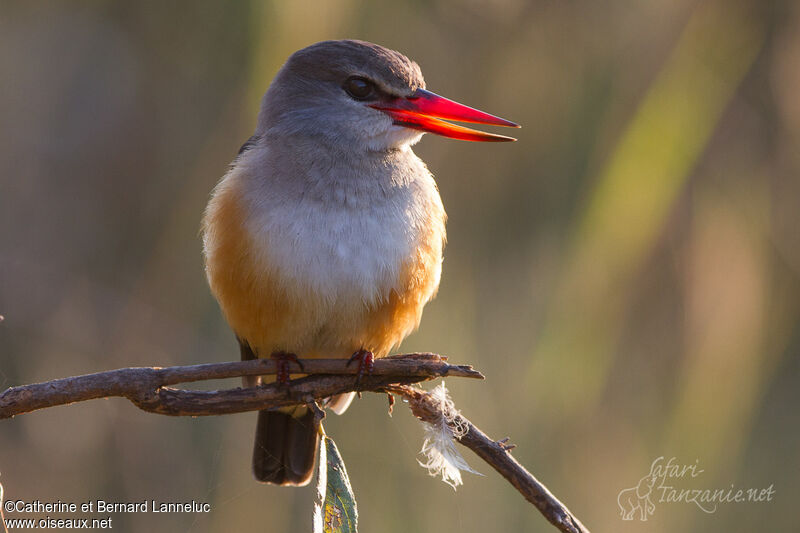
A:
[366, 362]
[283, 359]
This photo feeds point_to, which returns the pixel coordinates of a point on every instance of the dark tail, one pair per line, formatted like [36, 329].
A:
[286, 447]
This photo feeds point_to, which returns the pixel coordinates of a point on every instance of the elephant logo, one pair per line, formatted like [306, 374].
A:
[638, 497]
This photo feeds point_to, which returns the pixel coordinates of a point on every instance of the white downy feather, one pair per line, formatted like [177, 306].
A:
[441, 456]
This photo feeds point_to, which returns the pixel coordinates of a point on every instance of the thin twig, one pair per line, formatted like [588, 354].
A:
[147, 387]
[496, 453]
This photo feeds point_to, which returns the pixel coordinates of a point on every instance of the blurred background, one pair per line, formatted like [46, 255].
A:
[627, 275]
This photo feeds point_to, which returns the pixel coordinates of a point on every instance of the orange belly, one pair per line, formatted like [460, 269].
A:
[272, 314]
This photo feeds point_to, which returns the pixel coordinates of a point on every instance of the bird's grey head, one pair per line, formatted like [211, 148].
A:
[328, 91]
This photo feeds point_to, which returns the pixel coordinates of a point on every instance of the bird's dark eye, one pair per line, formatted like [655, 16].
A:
[359, 88]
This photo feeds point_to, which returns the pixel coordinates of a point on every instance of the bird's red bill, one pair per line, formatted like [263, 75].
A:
[423, 109]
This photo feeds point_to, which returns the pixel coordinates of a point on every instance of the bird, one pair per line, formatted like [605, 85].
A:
[324, 239]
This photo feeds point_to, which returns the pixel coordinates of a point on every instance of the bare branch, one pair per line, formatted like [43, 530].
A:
[147, 387]
[496, 453]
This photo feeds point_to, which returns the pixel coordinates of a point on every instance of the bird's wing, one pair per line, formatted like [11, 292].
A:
[247, 355]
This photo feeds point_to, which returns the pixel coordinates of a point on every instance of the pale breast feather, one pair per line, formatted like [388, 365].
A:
[324, 270]
[341, 250]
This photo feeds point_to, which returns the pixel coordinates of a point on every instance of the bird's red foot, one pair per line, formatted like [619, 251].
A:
[366, 362]
[283, 359]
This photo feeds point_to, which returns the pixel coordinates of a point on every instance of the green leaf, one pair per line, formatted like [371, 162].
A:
[335, 509]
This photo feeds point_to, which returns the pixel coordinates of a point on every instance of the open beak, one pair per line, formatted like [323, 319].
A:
[423, 109]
